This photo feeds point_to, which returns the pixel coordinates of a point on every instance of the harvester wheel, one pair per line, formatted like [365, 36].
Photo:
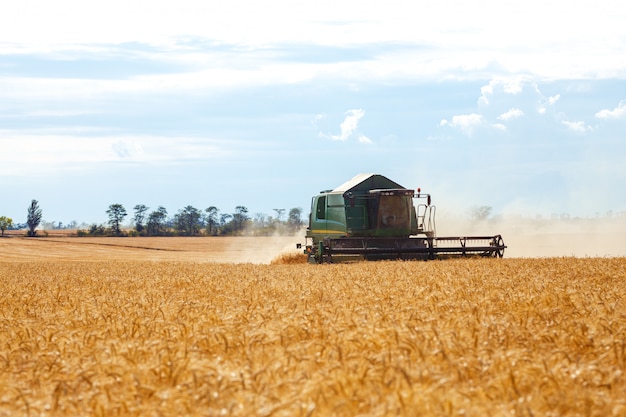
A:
[319, 259]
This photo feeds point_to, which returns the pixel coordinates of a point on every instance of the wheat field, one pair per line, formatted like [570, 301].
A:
[466, 337]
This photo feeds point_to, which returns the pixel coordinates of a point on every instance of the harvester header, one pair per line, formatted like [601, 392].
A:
[372, 217]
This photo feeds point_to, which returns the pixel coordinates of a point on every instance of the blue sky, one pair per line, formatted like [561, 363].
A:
[518, 106]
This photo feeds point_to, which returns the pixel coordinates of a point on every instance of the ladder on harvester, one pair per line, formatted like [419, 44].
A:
[426, 220]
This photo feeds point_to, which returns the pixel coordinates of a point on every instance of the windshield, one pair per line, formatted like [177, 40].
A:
[394, 212]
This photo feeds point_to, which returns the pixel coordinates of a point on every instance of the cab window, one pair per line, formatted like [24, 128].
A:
[393, 212]
[320, 212]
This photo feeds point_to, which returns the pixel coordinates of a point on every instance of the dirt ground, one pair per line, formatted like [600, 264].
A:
[256, 250]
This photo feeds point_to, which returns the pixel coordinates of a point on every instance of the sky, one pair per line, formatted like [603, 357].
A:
[520, 106]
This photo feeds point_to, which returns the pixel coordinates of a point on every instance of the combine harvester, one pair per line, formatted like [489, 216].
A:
[371, 217]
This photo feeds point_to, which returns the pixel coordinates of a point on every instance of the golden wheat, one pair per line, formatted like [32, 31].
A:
[468, 337]
[290, 258]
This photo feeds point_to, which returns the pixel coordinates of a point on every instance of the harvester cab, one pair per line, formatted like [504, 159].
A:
[372, 217]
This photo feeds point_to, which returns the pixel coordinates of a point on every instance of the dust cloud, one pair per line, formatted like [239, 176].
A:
[261, 250]
[525, 237]
[539, 237]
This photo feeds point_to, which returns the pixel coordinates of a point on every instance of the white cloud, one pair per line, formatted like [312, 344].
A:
[467, 123]
[347, 127]
[499, 126]
[514, 113]
[212, 79]
[504, 100]
[36, 153]
[577, 127]
[350, 123]
[450, 42]
[617, 113]
[550, 101]
[318, 118]
[507, 85]
[127, 149]
[553, 99]
[508, 98]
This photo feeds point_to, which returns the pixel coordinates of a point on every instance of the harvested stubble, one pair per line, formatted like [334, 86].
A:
[462, 337]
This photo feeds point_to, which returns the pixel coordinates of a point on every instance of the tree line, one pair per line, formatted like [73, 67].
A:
[191, 221]
[188, 221]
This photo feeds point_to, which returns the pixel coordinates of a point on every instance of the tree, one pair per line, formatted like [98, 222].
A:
[116, 213]
[5, 223]
[225, 218]
[188, 221]
[226, 225]
[279, 214]
[156, 221]
[140, 215]
[96, 230]
[240, 217]
[211, 220]
[260, 222]
[294, 220]
[33, 217]
[480, 213]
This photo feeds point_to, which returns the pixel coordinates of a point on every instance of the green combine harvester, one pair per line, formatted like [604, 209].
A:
[371, 217]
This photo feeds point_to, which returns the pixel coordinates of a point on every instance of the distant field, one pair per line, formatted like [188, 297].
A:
[157, 326]
[186, 249]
